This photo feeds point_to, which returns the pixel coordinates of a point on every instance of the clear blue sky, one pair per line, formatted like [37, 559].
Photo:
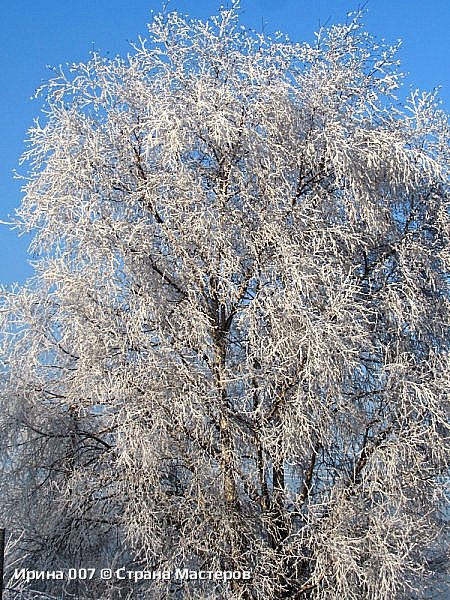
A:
[36, 33]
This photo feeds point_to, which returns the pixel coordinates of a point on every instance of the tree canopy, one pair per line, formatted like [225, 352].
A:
[234, 353]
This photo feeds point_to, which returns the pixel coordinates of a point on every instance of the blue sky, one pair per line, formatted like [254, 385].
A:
[36, 33]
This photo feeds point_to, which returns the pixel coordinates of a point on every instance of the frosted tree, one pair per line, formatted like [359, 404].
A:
[233, 354]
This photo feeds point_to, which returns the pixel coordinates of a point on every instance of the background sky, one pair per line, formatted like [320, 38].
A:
[37, 33]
